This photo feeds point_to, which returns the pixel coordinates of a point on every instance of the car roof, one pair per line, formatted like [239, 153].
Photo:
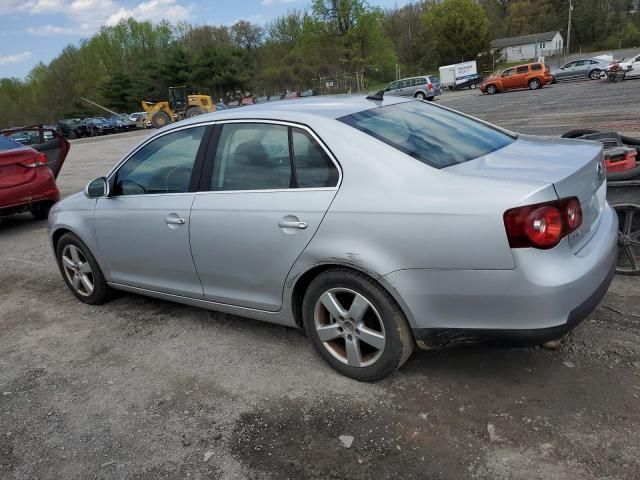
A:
[299, 110]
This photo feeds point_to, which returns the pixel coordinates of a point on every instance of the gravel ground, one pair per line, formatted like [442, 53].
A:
[141, 388]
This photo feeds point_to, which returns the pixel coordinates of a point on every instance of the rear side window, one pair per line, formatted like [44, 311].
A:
[433, 135]
[433, 79]
[536, 66]
[256, 156]
[8, 144]
[314, 168]
[523, 69]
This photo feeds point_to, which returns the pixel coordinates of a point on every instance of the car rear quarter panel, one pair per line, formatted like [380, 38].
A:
[393, 212]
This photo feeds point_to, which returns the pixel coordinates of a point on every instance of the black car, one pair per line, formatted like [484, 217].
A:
[73, 128]
[471, 81]
[99, 126]
[123, 123]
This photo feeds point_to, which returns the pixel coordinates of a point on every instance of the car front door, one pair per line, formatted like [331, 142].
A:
[566, 72]
[508, 78]
[143, 226]
[582, 68]
[392, 89]
[263, 196]
[521, 77]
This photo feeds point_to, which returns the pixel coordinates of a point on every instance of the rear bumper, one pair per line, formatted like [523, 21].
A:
[547, 293]
[43, 188]
[429, 338]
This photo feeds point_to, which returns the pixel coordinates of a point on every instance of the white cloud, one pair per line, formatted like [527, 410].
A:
[15, 58]
[269, 3]
[50, 30]
[154, 10]
[44, 6]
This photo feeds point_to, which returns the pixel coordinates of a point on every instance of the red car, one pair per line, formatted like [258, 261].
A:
[30, 160]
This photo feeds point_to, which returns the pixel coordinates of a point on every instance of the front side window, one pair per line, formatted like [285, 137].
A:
[163, 165]
[507, 73]
[433, 135]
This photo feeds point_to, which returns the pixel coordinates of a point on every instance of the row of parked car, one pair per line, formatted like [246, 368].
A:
[536, 75]
[93, 126]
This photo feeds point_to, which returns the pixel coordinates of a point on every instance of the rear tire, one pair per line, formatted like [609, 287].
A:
[365, 334]
[534, 84]
[594, 74]
[40, 211]
[75, 258]
[420, 96]
[160, 119]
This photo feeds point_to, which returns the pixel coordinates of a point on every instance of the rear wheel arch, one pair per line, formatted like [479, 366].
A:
[302, 284]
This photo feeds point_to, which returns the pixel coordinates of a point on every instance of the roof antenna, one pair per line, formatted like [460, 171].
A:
[379, 95]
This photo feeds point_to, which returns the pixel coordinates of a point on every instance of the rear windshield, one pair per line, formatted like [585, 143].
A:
[431, 134]
[8, 144]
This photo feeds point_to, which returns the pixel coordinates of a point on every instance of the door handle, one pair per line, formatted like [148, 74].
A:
[171, 220]
[293, 224]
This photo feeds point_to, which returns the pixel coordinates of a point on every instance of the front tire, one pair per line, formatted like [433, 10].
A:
[160, 119]
[194, 112]
[355, 325]
[81, 271]
[491, 89]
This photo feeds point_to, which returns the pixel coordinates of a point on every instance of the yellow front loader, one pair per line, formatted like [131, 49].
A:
[180, 105]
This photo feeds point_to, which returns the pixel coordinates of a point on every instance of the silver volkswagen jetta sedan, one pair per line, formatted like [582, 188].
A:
[372, 224]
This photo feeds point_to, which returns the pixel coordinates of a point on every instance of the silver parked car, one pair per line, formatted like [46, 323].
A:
[583, 68]
[374, 224]
[423, 87]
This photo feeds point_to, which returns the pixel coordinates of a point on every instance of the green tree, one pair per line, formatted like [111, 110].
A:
[454, 31]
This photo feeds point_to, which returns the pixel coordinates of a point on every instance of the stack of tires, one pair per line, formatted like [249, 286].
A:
[622, 160]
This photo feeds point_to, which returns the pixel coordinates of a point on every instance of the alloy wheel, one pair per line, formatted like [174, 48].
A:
[628, 239]
[77, 270]
[595, 75]
[349, 327]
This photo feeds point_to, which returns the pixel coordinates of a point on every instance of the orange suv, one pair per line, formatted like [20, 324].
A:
[532, 75]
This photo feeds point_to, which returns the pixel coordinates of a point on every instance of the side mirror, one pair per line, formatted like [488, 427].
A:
[97, 188]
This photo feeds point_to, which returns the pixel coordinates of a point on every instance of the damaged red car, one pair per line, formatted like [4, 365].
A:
[30, 160]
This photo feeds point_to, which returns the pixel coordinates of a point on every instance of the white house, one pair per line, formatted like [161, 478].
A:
[527, 47]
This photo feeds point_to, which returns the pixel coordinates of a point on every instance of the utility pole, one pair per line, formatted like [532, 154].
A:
[569, 27]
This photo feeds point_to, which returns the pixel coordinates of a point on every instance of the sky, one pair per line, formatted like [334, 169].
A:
[32, 31]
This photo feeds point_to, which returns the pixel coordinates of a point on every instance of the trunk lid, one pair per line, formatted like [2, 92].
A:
[574, 167]
[12, 173]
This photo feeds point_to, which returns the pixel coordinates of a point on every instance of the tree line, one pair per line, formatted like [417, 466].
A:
[132, 61]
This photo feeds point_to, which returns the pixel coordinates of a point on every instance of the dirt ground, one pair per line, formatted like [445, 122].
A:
[145, 389]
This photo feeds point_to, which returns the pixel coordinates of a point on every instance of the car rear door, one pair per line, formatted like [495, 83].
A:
[265, 189]
[46, 140]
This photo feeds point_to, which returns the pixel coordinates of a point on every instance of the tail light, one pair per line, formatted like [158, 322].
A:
[542, 225]
[430, 86]
[39, 161]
